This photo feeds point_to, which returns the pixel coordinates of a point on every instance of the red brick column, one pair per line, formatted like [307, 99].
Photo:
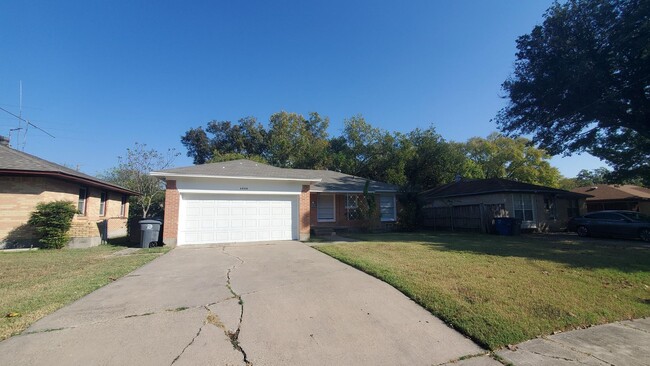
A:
[172, 199]
[304, 213]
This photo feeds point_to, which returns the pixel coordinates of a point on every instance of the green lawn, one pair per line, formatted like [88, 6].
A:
[36, 283]
[504, 290]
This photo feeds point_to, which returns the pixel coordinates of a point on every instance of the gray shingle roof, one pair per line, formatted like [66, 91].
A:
[471, 187]
[606, 192]
[330, 181]
[17, 162]
[338, 182]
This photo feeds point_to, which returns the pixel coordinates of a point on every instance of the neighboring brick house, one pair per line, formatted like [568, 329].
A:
[616, 197]
[26, 180]
[472, 204]
[246, 201]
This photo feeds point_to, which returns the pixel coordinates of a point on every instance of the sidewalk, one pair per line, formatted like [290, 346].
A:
[620, 343]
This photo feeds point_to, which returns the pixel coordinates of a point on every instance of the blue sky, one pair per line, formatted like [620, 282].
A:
[102, 75]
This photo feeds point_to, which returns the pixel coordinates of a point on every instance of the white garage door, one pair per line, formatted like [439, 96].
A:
[237, 218]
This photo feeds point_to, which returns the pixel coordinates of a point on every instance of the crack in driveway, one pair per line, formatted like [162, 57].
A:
[189, 344]
[234, 336]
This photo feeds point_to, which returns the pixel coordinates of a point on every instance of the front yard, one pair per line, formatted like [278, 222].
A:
[504, 290]
[36, 283]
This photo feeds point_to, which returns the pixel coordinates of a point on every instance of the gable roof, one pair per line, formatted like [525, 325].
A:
[321, 180]
[19, 163]
[471, 187]
[603, 192]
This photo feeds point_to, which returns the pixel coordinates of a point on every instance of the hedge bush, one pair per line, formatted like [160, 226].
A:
[52, 221]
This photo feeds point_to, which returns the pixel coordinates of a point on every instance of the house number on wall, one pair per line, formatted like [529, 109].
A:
[243, 188]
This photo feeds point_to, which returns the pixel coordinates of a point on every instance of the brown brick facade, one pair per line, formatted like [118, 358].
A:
[172, 200]
[19, 196]
[341, 218]
[304, 212]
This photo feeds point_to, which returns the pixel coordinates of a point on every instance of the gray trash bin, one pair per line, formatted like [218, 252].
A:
[149, 231]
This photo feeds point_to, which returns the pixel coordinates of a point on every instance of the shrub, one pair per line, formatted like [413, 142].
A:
[407, 217]
[52, 221]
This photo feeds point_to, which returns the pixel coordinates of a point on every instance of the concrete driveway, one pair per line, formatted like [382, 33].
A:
[280, 303]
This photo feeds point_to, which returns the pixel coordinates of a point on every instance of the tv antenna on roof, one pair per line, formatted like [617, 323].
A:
[14, 129]
[20, 118]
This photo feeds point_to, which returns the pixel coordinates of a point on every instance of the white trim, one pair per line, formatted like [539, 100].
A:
[102, 203]
[351, 192]
[394, 218]
[333, 207]
[212, 191]
[526, 224]
[177, 175]
[82, 212]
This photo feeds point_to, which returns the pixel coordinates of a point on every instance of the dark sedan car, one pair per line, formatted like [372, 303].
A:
[628, 224]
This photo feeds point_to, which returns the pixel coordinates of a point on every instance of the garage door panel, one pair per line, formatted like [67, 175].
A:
[192, 224]
[193, 211]
[236, 218]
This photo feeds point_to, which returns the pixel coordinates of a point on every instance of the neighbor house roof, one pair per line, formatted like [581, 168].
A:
[14, 162]
[321, 180]
[614, 192]
[470, 187]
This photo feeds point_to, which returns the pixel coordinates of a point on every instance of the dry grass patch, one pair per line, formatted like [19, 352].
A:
[36, 283]
[504, 290]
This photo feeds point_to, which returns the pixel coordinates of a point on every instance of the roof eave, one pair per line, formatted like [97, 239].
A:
[70, 177]
[353, 191]
[567, 193]
[597, 199]
[181, 175]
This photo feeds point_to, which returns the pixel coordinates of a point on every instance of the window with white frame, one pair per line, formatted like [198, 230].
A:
[123, 206]
[523, 207]
[387, 207]
[102, 203]
[326, 208]
[81, 202]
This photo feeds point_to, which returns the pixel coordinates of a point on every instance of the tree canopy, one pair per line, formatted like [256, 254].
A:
[498, 156]
[132, 172]
[416, 160]
[582, 83]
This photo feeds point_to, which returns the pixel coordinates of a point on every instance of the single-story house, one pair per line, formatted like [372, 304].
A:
[616, 197]
[246, 201]
[26, 180]
[472, 204]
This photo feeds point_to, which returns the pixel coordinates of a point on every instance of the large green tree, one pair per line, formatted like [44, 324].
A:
[498, 156]
[132, 172]
[297, 142]
[419, 159]
[430, 160]
[582, 83]
[367, 151]
[246, 138]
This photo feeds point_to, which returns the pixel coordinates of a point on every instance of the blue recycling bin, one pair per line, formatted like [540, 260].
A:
[507, 226]
[502, 226]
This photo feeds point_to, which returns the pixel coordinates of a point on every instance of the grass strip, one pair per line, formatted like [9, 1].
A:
[36, 283]
[504, 290]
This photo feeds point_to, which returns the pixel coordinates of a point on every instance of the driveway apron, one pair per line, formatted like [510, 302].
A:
[279, 303]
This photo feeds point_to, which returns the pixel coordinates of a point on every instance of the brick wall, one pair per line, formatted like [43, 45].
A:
[172, 200]
[304, 213]
[19, 196]
[341, 216]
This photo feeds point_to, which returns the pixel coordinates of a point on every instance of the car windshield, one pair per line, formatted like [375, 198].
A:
[636, 216]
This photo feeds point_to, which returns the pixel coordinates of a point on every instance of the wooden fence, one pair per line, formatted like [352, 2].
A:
[477, 217]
